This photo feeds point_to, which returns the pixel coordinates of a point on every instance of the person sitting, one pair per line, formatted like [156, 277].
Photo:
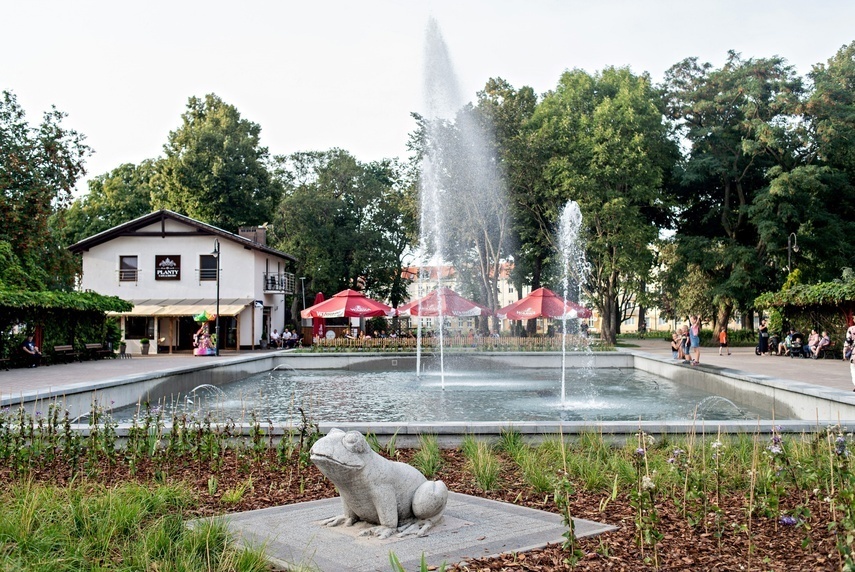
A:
[824, 342]
[276, 339]
[813, 341]
[787, 343]
[31, 352]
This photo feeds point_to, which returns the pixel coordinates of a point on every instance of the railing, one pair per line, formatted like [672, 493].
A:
[207, 274]
[127, 275]
[281, 282]
[457, 343]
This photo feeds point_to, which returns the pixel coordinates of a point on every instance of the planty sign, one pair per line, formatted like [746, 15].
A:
[167, 267]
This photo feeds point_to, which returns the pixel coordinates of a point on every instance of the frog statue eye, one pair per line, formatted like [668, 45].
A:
[354, 441]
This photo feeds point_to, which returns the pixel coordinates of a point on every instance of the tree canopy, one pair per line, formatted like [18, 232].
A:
[215, 169]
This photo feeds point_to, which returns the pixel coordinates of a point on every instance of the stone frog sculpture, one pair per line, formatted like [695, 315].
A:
[392, 495]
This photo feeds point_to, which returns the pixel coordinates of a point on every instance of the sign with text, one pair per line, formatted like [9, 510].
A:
[167, 267]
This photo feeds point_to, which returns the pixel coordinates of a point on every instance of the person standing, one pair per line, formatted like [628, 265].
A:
[695, 338]
[675, 346]
[763, 341]
[31, 351]
[722, 341]
[852, 367]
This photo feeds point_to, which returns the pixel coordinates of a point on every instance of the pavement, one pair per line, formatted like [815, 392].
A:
[470, 527]
[830, 373]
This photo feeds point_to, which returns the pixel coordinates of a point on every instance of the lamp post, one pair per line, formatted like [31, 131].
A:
[792, 246]
[303, 288]
[216, 254]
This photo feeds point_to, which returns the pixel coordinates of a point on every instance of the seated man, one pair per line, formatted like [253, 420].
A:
[275, 339]
[824, 342]
[31, 352]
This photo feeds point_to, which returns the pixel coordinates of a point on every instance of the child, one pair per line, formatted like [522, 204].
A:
[722, 341]
[675, 346]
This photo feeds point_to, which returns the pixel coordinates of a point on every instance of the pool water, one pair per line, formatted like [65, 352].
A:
[497, 396]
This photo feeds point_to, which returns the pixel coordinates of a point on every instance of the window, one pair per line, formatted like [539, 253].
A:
[207, 267]
[630, 321]
[138, 327]
[128, 269]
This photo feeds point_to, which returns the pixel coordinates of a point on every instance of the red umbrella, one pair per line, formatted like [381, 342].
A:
[543, 303]
[319, 325]
[445, 301]
[348, 304]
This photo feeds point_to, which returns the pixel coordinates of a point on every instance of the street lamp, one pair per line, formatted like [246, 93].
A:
[216, 254]
[303, 288]
[792, 246]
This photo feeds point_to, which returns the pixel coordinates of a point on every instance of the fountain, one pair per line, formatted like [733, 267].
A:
[573, 266]
[461, 187]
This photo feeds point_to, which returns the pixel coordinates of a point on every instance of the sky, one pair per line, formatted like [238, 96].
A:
[322, 74]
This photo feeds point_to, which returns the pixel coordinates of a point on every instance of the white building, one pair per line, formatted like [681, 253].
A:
[166, 265]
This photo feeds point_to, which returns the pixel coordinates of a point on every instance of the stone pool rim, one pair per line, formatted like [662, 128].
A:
[837, 406]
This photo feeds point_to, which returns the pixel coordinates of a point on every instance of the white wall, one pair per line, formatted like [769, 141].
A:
[241, 274]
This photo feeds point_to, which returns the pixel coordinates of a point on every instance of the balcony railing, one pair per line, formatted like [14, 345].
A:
[129, 275]
[280, 282]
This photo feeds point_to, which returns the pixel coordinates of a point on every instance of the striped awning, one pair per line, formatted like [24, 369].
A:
[230, 307]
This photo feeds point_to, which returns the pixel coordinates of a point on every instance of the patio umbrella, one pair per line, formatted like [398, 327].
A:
[543, 303]
[319, 324]
[445, 301]
[348, 304]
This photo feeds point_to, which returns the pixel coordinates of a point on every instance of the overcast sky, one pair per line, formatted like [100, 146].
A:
[322, 74]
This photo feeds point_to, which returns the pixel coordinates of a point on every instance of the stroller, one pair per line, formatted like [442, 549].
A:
[797, 346]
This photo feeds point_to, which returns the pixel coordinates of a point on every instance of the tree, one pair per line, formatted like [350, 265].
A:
[609, 151]
[739, 123]
[348, 223]
[215, 169]
[39, 167]
[114, 198]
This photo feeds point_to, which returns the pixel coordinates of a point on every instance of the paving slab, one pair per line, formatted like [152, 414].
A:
[471, 527]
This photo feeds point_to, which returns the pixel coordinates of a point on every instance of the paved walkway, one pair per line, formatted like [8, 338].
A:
[17, 381]
[833, 373]
[826, 373]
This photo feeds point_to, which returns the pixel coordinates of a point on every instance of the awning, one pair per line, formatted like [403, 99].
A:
[230, 307]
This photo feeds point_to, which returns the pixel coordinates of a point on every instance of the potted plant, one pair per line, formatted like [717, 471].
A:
[144, 345]
[123, 347]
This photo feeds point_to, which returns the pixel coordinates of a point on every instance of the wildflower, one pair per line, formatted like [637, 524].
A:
[775, 449]
[678, 452]
[788, 520]
[639, 452]
[716, 444]
[647, 483]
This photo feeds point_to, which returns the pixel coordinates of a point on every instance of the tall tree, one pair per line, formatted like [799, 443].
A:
[739, 122]
[348, 223]
[609, 150]
[215, 169]
[39, 167]
[116, 197]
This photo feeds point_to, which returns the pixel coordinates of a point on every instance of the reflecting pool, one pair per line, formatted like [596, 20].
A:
[500, 396]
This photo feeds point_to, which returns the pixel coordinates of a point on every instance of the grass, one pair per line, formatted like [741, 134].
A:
[427, 459]
[131, 527]
[482, 463]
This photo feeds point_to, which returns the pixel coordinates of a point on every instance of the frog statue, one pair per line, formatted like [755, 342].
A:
[391, 495]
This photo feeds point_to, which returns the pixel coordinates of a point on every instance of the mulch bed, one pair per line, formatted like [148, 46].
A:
[703, 547]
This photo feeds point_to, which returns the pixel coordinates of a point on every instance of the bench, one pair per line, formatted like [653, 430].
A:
[65, 352]
[828, 352]
[97, 351]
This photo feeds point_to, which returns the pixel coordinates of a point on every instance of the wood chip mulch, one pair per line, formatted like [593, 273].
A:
[721, 542]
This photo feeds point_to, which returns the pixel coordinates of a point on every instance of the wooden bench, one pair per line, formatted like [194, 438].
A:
[828, 352]
[97, 351]
[65, 352]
